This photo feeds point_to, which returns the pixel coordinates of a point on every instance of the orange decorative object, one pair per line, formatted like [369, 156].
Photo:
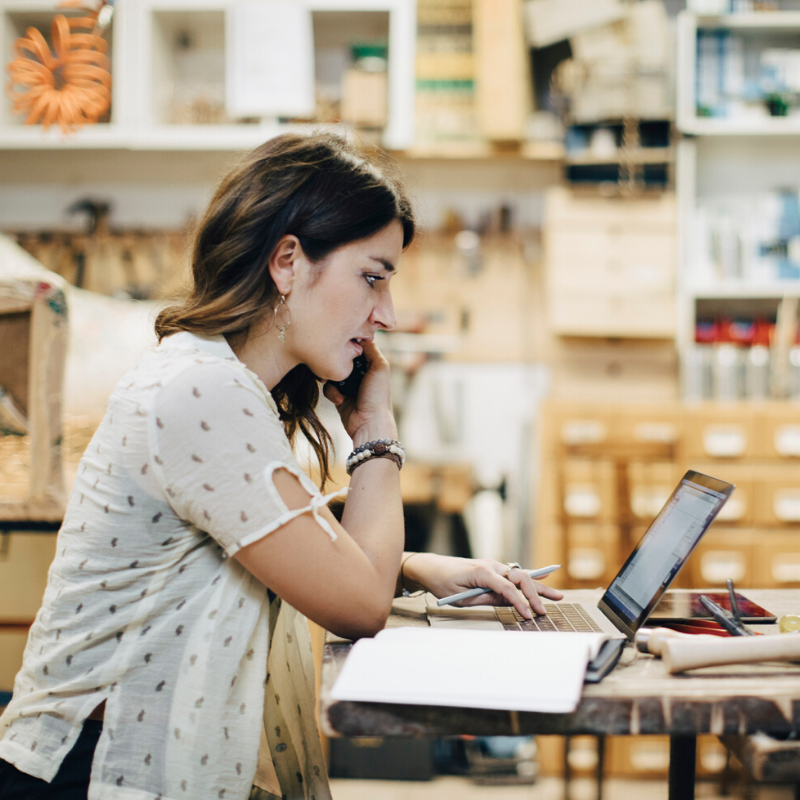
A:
[71, 85]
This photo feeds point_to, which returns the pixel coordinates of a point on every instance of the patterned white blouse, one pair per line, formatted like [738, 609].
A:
[144, 608]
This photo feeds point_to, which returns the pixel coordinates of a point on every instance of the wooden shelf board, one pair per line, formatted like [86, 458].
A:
[455, 150]
[742, 290]
[643, 155]
[766, 126]
[756, 20]
[242, 137]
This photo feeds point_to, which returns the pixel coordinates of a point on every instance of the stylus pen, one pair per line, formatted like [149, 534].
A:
[734, 628]
[454, 598]
[734, 602]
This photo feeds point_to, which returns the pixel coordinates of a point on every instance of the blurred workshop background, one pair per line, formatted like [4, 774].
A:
[604, 293]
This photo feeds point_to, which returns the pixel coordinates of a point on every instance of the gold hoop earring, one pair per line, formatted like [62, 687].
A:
[283, 318]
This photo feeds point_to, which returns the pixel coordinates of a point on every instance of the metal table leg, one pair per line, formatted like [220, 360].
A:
[682, 758]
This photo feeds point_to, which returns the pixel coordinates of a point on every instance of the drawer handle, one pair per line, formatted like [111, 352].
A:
[582, 501]
[664, 432]
[786, 568]
[786, 505]
[716, 566]
[787, 440]
[734, 510]
[582, 758]
[583, 431]
[650, 758]
[586, 563]
[713, 760]
[647, 501]
[724, 441]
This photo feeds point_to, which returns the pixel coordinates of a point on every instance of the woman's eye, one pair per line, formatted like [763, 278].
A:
[371, 279]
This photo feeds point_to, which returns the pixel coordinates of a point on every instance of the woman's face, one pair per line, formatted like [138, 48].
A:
[344, 299]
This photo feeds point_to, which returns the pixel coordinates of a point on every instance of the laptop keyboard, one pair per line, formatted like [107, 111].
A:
[561, 617]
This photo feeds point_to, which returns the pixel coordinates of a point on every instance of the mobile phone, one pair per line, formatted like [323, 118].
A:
[349, 386]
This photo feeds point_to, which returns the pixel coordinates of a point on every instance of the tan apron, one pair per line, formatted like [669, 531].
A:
[290, 761]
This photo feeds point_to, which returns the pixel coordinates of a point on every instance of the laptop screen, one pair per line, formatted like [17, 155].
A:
[663, 550]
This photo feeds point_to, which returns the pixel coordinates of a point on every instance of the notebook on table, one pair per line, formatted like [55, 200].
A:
[638, 586]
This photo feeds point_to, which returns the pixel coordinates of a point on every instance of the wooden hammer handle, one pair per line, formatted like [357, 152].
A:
[682, 654]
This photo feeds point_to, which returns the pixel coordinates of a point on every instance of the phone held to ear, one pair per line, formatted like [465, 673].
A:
[349, 386]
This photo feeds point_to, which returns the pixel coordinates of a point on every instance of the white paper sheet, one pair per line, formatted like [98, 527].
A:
[269, 60]
[471, 669]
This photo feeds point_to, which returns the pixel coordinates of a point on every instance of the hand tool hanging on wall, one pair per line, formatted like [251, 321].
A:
[71, 85]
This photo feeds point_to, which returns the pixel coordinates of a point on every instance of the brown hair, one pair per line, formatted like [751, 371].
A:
[317, 187]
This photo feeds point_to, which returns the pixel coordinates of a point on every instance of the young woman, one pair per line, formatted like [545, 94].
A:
[193, 542]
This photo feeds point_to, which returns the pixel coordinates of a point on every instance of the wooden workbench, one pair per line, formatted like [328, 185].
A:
[638, 697]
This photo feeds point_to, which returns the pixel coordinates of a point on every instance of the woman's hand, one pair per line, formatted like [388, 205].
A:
[446, 575]
[368, 414]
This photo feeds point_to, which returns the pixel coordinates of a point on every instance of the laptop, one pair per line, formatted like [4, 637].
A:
[643, 579]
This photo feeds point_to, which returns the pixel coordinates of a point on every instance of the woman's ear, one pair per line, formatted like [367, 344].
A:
[282, 262]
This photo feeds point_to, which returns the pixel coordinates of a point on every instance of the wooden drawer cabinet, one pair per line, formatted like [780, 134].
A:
[591, 559]
[722, 554]
[589, 490]
[648, 424]
[638, 756]
[601, 314]
[612, 215]
[582, 425]
[650, 486]
[777, 557]
[716, 431]
[778, 495]
[610, 265]
[633, 264]
[740, 508]
[778, 432]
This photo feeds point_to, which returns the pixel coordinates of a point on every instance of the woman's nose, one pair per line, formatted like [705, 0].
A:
[383, 314]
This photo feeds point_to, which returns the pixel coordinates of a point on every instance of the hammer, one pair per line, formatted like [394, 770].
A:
[681, 651]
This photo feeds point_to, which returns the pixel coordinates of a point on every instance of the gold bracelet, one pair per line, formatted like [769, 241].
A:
[402, 577]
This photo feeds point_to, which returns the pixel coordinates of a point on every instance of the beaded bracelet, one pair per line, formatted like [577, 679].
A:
[380, 448]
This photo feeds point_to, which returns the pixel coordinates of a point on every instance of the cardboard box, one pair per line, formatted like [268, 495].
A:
[365, 98]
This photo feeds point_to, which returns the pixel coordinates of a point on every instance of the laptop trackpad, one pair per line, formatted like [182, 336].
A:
[476, 618]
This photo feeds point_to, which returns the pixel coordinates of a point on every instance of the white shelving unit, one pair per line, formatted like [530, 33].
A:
[720, 157]
[147, 66]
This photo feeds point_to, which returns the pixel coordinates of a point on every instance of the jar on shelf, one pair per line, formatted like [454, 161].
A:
[365, 87]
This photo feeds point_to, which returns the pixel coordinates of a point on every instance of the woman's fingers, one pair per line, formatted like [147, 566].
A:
[504, 589]
[548, 591]
[528, 587]
[333, 394]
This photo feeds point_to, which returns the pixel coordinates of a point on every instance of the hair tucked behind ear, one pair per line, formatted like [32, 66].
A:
[317, 187]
